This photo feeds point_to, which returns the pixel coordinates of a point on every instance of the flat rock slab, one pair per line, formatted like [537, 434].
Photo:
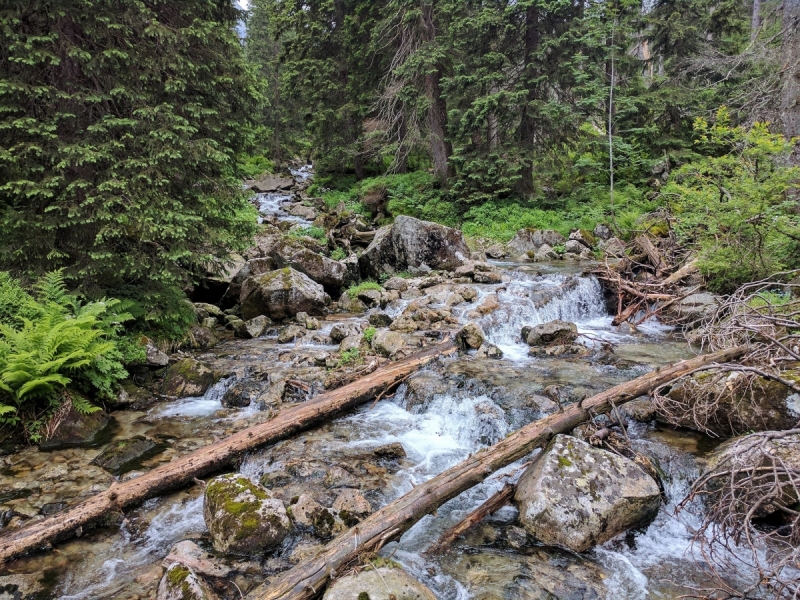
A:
[122, 456]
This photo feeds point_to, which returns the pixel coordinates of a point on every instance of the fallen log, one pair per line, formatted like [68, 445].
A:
[495, 502]
[655, 258]
[309, 577]
[213, 457]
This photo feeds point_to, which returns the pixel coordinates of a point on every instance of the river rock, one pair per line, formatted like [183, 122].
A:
[319, 268]
[350, 504]
[380, 320]
[350, 343]
[189, 554]
[496, 251]
[530, 240]
[692, 308]
[740, 403]
[257, 326]
[291, 333]
[603, 231]
[613, 247]
[388, 343]
[78, 430]
[584, 236]
[242, 517]
[489, 351]
[470, 336]
[750, 452]
[24, 586]
[310, 513]
[547, 333]
[304, 212]
[187, 377]
[577, 496]
[399, 284]
[421, 389]
[342, 330]
[182, 583]
[153, 356]
[252, 268]
[641, 410]
[392, 450]
[383, 583]
[122, 456]
[242, 393]
[545, 253]
[411, 244]
[281, 294]
[200, 338]
[574, 247]
[271, 183]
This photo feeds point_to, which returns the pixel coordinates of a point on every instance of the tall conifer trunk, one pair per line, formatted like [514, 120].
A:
[790, 94]
[441, 149]
[527, 126]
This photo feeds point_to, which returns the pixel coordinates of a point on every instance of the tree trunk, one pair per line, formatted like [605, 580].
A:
[527, 126]
[212, 458]
[309, 577]
[441, 149]
[755, 20]
[790, 94]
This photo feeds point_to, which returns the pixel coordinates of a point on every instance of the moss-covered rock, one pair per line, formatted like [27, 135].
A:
[187, 377]
[242, 516]
[282, 293]
[378, 583]
[182, 583]
[577, 496]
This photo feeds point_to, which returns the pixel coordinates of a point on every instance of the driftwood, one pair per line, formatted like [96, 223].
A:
[495, 502]
[206, 460]
[308, 578]
[652, 253]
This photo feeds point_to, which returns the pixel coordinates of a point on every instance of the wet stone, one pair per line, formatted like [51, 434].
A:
[187, 378]
[182, 583]
[393, 450]
[78, 430]
[383, 583]
[126, 455]
[380, 320]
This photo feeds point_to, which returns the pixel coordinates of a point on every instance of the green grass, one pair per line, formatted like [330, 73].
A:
[350, 357]
[355, 290]
[317, 233]
[338, 254]
[369, 333]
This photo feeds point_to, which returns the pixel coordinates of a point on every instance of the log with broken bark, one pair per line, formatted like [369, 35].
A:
[212, 458]
[309, 577]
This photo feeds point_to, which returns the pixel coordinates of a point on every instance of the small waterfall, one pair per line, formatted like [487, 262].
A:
[533, 300]
[198, 406]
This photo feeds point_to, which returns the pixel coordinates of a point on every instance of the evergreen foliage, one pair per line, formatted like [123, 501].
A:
[120, 123]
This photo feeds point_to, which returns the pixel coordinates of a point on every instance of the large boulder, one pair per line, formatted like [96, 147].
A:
[577, 496]
[319, 268]
[79, 430]
[553, 331]
[271, 183]
[733, 403]
[411, 244]
[530, 240]
[471, 336]
[739, 458]
[382, 583]
[252, 268]
[182, 583]
[187, 377]
[692, 308]
[282, 293]
[242, 516]
[388, 343]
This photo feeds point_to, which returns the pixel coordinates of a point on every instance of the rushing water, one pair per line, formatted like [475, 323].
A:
[474, 403]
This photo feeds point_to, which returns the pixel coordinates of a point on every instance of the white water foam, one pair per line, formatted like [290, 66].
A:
[196, 406]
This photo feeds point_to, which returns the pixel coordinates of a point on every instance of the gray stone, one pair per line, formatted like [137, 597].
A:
[257, 326]
[24, 586]
[489, 351]
[584, 236]
[310, 513]
[320, 268]
[242, 516]
[371, 298]
[470, 336]
[693, 307]
[242, 393]
[189, 554]
[291, 333]
[421, 389]
[182, 583]
[302, 211]
[487, 277]
[351, 342]
[574, 247]
[342, 330]
[530, 240]
[380, 320]
[641, 410]
[383, 583]
[545, 253]
[154, 356]
[393, 450]
[396, 283]
[414, 245]
[78, 430]
[547, 333]
[252, 268]
[350, 504]
[577, 496]
[126, 455]
[496, 251]
[272, 183]
[281, 294]
[613, 247]
[603, 231]
[388, 343]
[186, 378]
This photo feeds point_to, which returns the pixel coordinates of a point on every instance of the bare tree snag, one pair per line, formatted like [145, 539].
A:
[308, 578]
[493, 504]
[213, 457]
[653, 255]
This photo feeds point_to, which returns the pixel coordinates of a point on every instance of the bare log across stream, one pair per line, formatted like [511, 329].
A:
[213, 457]
[308, 578]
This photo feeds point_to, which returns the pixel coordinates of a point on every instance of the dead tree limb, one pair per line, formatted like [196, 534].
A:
[493, 504]
[306, 579]
[213, 457]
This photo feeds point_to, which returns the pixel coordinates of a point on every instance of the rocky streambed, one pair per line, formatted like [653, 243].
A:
[534, 336]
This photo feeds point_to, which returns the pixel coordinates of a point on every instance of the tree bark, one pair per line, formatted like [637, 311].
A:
[441, 149]
[755, 20]
[212, 458]
[790, 93]
[308, 578]
[527, 126]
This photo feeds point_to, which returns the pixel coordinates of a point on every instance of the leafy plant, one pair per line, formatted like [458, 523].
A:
[350, 357]
[369, 333]
[355, 290]
[338, 254]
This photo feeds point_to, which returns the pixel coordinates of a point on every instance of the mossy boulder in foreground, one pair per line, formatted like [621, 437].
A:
[242, 516]
[381, 583]
[282, 293]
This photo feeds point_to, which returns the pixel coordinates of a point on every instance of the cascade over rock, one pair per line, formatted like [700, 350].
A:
[282, 293]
